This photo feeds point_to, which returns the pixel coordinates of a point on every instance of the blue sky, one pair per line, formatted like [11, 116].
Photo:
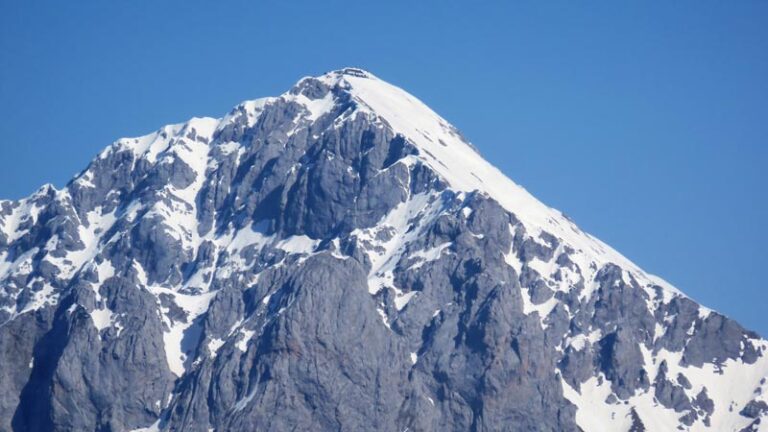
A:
[646, 122]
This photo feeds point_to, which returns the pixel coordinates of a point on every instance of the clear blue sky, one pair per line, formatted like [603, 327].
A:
[646, 122]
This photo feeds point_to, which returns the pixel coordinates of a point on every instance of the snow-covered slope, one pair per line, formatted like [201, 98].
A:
[195, 277]
[457, 162]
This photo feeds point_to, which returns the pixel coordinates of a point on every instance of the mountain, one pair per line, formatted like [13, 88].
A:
[341, 258]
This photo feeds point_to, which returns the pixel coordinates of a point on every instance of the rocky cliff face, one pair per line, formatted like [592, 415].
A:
[340, 258]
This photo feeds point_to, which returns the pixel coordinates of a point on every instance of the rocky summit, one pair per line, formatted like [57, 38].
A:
[340, 258]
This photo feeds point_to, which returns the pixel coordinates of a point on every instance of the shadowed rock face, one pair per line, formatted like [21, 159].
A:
[324, 261]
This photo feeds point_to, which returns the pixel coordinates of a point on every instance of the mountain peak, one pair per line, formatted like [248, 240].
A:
[352, 71]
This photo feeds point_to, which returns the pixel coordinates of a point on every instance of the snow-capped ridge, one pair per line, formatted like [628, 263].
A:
[459, 163]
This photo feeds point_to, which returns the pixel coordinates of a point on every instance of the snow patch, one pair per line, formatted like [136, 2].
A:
[180, 337]
[102, 318]
[213, 346]
[402, 300]
[246, 336]
[384, 317]
[298, 244]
